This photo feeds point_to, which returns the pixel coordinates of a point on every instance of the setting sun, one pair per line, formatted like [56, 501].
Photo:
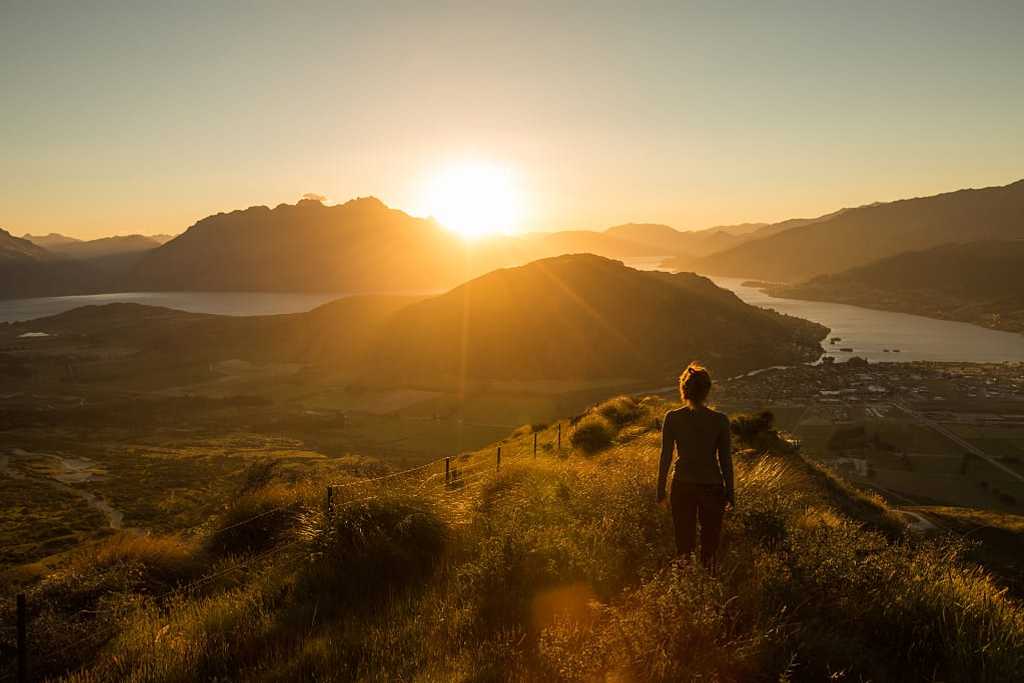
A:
[475, 199]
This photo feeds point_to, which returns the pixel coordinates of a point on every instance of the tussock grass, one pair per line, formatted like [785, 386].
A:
[622, 416]
[593, 433]
[375, 546]
[564, 569]
[256, 521]
[620, 411]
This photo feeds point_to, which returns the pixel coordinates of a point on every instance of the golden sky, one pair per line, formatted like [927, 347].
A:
[123, 120]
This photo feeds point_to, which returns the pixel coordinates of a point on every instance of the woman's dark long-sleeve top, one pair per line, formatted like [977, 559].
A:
[701, 437]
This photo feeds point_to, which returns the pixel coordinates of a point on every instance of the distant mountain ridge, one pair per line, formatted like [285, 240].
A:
[365, 246]
[856, 237]
[28, 270]
[977, 282]
[72, 247]
[669, 241]
[16, 249]
[105, 246]
[51, 240]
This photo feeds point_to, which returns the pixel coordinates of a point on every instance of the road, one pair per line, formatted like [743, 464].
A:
[969, 447]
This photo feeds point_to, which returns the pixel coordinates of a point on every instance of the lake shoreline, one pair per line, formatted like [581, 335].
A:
[888, 336]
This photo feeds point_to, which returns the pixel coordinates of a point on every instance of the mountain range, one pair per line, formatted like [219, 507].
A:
[977, 282]
[364, 246]
[98, 248]
[859, 236]
[27, 269]
[359, 246]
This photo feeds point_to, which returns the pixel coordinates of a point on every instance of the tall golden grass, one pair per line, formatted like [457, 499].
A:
[560, 569]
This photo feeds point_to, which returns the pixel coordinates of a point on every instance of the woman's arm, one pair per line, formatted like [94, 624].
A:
[725, 459]
[667, 446]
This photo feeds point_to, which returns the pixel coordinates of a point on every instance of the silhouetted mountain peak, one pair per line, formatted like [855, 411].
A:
[17, 248]
[366, 204]
[54, 238]
[609, 320]
[857, 236]
[308, 246]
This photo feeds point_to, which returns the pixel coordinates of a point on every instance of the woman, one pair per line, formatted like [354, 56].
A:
[703, 483]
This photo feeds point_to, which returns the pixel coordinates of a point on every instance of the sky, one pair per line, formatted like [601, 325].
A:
[143, 117]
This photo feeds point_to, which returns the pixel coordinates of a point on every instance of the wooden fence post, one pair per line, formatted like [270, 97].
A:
[497, 464]
[535, 444]
[330, 496]
[559, 436]
[22, 639]
[447, 469]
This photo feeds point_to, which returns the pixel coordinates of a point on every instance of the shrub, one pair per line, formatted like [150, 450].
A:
[593, 433]
[750, 428]
[255, 522]
[376, 545]
[521, 431]
[620, 411]
[259, 475]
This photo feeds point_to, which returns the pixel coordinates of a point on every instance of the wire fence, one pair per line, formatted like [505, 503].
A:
[454, 477]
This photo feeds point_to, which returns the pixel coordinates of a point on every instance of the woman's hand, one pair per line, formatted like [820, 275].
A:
[730, 502]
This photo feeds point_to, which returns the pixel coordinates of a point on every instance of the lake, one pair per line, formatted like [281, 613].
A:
[869, 332]
[220, 303]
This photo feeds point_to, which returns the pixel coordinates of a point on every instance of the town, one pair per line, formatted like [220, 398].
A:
[916, 433]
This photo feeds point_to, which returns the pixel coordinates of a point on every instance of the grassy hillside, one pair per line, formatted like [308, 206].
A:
[977, 282]
[856, 237]
[555, 567]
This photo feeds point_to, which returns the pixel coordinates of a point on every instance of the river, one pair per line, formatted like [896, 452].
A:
[869, 332]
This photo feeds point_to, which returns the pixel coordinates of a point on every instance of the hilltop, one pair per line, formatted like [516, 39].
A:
[856, 237]
[554, 567]
[583, 316]
[978, 282]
